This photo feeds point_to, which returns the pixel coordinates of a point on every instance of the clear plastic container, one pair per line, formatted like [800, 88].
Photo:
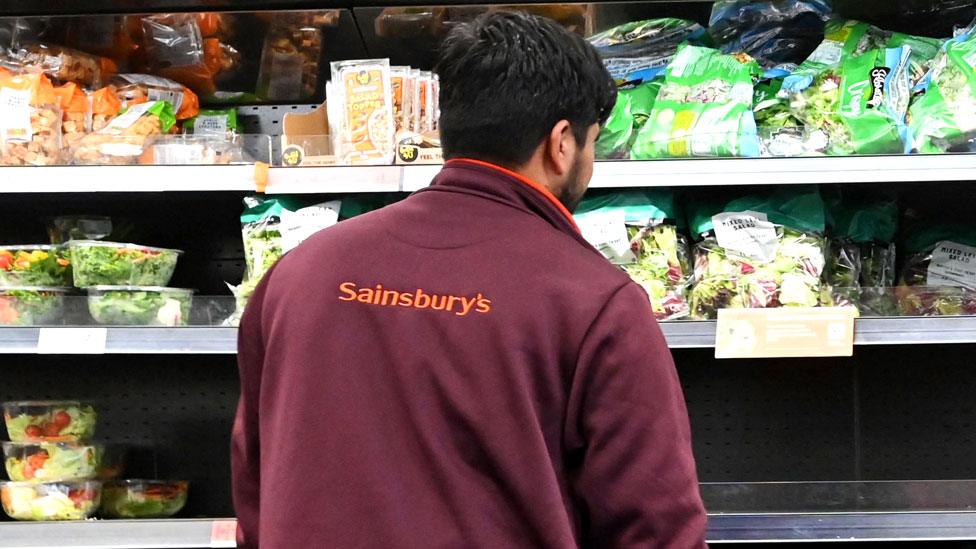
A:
[79, 227]
[74, 500]
[49, 421]
[140, 305]
[111, 461]
[51, 461]
[34, 265]
[144, 499]
[99, 263]
[31, 305]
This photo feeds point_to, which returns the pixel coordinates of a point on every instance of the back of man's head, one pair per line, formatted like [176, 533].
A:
[507, 78]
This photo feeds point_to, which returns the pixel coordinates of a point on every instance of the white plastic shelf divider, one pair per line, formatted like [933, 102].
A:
[722, 528]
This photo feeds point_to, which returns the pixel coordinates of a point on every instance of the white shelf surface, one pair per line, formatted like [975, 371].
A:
[611, 174]
[223, 340]
[722, 528]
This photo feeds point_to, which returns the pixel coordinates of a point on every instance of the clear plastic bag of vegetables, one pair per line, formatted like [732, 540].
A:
[861, 252]
[860, 104]
[939, 274]
[781, 132]
[704, 108]
[944, 117]
[637, 230]
[759, 251]
[644, 45]
[777, 33]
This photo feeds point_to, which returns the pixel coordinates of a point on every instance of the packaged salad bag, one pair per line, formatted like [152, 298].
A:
[776, 33]
[638, 231]
[860, 104]
[758, 251]
[939, 274]
[628, 116]
[647, 45]
[704, 108]
[944, 117]
[861, 251]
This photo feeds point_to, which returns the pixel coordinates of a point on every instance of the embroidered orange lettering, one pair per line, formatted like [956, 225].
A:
[418, 299]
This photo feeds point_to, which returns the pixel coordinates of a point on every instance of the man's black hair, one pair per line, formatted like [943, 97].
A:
[508, 77]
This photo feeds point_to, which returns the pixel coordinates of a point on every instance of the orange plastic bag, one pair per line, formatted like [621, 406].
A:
[74, 112]
[105, 106]
[133, 89]
[30, 130]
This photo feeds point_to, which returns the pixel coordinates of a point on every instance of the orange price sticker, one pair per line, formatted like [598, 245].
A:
[223, 533]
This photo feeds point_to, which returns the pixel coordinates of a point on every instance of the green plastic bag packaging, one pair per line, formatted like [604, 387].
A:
[627, 118]
[758, 251]
[860, 105]
[944, 117]
[215, 122]
[704, 108]
[638, 230]
[861, 251]
[939, 274]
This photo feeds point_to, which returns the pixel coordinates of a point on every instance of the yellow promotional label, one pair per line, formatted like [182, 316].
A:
[785, 332]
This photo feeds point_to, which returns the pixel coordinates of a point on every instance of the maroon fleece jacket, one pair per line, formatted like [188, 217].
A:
[459, 370]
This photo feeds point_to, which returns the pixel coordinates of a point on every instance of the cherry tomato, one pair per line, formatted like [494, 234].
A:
[6, 260]
[33, 431]
[29, 471]
[37, 460]
[62, 419]
[51, 430]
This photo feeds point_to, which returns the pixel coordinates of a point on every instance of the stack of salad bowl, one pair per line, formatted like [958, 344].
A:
[33, 282]
[52, 466]
[126, 283]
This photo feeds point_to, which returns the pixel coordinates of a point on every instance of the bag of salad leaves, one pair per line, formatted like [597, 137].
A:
[704, 108]
[647, 45]
[860, 104]
[944, 117]
[270, 227]
[776, 33]
[861, 251]
[638, 230]
[939, 275]
[925, 17]
[627, 118]
[758, 251]
[781, 132]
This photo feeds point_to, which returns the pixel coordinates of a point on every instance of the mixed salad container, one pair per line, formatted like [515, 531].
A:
[98, 263]
[144, 499]
[51, 461]
[68, 500]
[140, 305]
[31, 305]
[34, 265]
[49, 421]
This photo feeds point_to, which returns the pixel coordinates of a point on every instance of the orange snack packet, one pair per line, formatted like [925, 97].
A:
[30, 128]
[105, 106]
[74, 111]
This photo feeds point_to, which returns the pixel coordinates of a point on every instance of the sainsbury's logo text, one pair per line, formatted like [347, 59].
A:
[417, 299]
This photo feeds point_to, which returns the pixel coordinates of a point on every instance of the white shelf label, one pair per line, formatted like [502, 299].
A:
[223, 533]
[76, 341]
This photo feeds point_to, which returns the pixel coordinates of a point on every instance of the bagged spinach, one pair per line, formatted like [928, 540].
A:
[939, 275]
[944, 117]
[860, 104]
[628, 116]
[638, 231]
[781, 132]
[641, 46]
[861, 251]
[777, 33]
[704, 108]
[758, 251]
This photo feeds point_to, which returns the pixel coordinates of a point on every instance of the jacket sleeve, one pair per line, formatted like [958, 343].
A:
[628, 427]
[245, 438]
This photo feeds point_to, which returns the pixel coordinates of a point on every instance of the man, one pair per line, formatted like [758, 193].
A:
[461, 369]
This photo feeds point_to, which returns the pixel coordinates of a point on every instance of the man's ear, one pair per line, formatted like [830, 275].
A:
[560, 150]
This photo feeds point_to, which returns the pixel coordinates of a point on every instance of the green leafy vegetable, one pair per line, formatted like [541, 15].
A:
[135, 306]
[113, 264]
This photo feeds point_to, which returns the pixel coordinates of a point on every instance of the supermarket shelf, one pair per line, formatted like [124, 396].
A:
[722, 528]
[119, 340]
[365, 179]
[223, 340]
[867, 331]
[85, 179]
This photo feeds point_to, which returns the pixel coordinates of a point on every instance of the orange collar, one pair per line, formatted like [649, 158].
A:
[525, 180]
